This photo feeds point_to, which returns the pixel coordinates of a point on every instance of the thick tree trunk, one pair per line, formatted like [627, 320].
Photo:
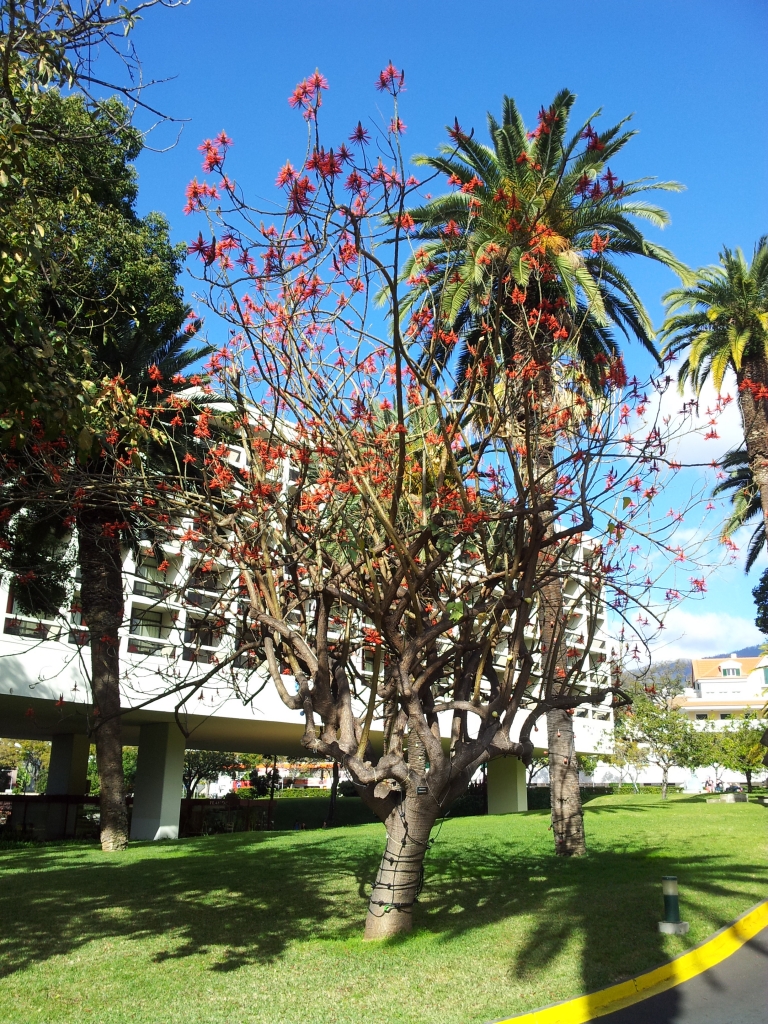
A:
[664, 782]
[398, 883]
[101, 596]
[748, 776]
[754, 416]
[565, 797]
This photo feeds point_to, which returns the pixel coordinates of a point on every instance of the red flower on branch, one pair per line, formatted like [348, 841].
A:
[360, 136]
[390, 80]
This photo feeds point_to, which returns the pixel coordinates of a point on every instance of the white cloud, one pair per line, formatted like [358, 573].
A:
[692, 448]
[689, 634]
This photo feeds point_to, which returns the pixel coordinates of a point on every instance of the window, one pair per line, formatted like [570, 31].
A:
[78, 633]
[205, 588]
[26, 624]
[200, 634]
[731, 671]
[149, 580]
[724, 717]
[702, 718]
[148, 624]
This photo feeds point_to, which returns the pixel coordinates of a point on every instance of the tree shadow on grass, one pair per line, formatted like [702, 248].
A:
[247, 897]
[611, 898]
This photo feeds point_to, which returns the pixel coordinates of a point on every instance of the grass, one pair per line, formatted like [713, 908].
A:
[265, 927]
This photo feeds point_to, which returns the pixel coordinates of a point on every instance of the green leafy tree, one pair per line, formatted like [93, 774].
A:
[555, 313]
[47, 45]
[720, 325]
[661, 730]
[31, 758]
[128, 269]
[711, 751]
[207, 766]
[741, 748]
[628, 757]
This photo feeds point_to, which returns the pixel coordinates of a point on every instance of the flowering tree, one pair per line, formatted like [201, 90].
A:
[396, 538]
[544, 200]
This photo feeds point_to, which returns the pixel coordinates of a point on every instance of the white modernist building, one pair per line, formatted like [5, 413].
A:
[169, 639]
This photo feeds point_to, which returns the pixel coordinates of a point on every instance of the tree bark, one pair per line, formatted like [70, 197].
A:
[748, 776]
[400, 876]
[565, 796]
[101, 597]
[664, 779]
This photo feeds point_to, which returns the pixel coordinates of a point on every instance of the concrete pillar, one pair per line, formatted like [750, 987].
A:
[157, 792]
[507, 791]
[68, 770]
[67, 776]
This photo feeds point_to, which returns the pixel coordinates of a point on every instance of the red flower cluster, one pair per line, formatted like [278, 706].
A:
[390, 80]
[197, 192]
[307, 95]
[759, 392]
[593, 138]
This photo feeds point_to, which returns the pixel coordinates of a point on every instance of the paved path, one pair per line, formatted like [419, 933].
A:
[733, 992]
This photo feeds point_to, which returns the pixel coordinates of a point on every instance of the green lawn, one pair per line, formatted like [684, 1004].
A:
[265, 928]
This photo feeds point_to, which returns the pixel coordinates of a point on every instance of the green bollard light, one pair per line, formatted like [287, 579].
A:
[671, 925]
[671, 899]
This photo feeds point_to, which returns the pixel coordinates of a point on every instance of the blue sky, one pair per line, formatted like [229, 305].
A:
[689, 71]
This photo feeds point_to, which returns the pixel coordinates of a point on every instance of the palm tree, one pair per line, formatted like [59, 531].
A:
[542, 210]
[720, 323]
[745, 502]
[41, 532]
[521, 261]
[130, 353]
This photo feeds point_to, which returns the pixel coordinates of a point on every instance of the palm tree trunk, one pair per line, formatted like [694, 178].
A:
[754, 416]
[101, 583]
[565, 795]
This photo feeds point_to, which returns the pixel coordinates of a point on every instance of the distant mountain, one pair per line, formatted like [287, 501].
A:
[745, 652]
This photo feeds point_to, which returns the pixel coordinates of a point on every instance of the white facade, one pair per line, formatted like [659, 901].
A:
[725, 688]
[168, 640]
[721, 691]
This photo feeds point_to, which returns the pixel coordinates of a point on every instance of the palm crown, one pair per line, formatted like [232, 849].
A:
[535, 206]
[721, 323]
[721, 320]
[745, 502]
